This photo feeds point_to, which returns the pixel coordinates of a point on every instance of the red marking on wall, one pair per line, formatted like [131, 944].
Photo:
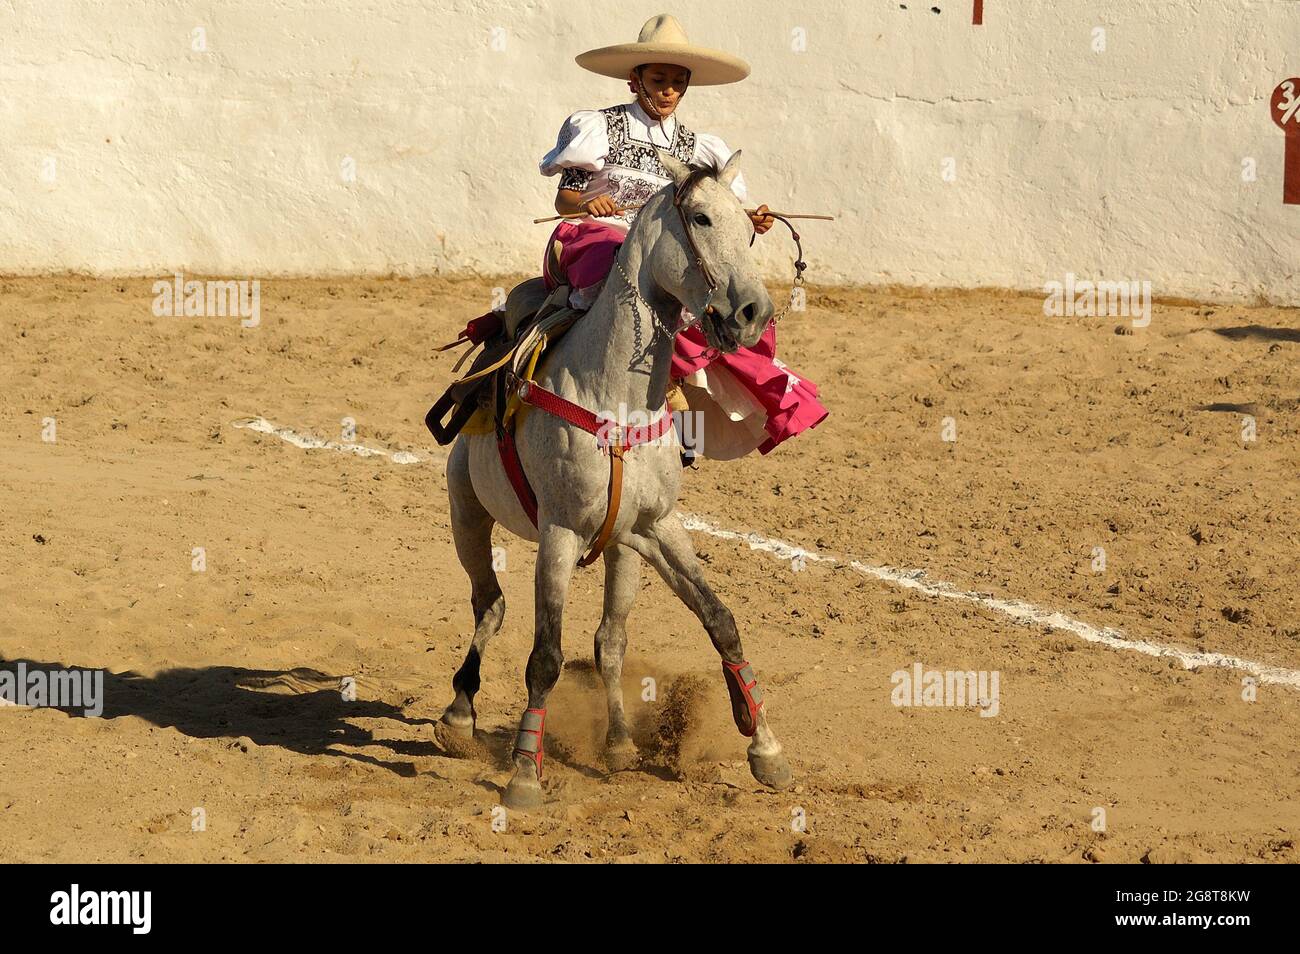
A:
[979, 13]
[1285, 106]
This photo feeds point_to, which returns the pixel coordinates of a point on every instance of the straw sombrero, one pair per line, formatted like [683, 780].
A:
[663, 40]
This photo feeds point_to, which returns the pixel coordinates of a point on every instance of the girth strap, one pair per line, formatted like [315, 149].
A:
[515, 471]
[611, 507]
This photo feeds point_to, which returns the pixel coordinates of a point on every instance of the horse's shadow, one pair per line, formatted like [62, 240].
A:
[300, 710]
[1258, 333]
[304, 711]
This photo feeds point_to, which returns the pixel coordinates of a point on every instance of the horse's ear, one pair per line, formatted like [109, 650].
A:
[730, 170]
[674, 166]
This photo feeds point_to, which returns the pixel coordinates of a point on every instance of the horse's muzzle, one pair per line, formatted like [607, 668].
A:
[744, 326]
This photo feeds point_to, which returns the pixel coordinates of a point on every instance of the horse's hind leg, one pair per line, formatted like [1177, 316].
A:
[667, 547]
[557, 555]
[471, 526]
[622, 579]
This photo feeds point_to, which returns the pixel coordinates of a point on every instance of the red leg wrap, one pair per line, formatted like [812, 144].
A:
[746, 697]
[529, 740]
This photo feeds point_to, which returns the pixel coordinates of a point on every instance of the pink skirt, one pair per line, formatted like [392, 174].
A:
[749, 399]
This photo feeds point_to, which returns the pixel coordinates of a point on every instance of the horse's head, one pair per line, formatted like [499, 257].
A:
[705, 219]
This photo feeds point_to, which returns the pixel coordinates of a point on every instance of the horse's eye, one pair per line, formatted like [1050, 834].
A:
[702, 219]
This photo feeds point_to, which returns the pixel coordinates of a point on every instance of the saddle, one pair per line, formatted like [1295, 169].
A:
[512, 339]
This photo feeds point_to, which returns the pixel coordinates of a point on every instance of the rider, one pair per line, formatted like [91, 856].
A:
[607, 160]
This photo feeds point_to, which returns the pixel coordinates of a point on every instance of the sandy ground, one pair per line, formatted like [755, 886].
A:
[222, 691]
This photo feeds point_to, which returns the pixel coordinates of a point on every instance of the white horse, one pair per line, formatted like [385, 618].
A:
[670, 259]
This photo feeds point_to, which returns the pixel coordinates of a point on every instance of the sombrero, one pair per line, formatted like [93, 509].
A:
[663, 40]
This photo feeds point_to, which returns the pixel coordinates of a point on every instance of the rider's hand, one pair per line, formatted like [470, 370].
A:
[601, 205]
[762, 221]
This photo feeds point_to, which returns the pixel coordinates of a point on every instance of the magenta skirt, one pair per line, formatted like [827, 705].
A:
[788, 399]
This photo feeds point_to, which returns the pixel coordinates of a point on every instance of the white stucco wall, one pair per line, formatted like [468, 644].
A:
[1125, 163]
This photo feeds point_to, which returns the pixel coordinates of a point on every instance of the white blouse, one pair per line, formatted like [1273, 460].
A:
[613, 150]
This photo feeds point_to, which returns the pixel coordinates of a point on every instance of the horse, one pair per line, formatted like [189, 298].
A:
[689, 247]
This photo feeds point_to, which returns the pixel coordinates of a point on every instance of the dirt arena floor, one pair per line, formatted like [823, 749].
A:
[223, 685]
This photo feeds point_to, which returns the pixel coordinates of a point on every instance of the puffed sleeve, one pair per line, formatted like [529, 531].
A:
[580, 150]
[713, 150]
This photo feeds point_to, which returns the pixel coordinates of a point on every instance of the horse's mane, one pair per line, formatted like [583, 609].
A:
[708, 165]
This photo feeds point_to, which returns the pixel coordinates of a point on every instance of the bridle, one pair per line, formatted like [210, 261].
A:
[680, 194]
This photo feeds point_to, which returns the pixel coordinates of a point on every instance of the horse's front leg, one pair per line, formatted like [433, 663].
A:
[557, 555]
[622, 580]
[667, 547]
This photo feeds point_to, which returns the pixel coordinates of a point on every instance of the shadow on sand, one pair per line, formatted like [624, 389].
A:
[301, 710]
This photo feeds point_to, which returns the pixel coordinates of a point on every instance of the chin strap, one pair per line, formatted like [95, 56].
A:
[648, 104]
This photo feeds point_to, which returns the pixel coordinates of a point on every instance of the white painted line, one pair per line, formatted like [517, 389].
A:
[311, 442]
[1020, 612]
[1017, 610]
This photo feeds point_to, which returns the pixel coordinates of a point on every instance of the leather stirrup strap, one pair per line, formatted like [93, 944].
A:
[611, 509]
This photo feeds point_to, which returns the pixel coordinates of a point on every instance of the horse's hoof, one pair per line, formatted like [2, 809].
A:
[522, 795]
[458, 722]
[771, 770]
[622, 756]
[458, 743]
